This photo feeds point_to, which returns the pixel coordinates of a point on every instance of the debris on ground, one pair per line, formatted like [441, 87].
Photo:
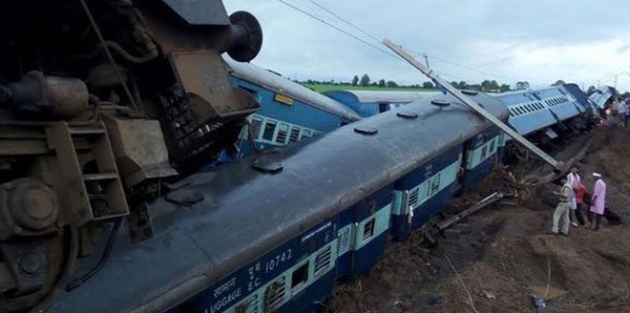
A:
[502, 260]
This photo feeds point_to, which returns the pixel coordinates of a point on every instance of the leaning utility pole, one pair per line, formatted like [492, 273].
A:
[472, 104]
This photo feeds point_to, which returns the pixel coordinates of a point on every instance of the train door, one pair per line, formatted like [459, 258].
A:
[384, 107]
[465, 159]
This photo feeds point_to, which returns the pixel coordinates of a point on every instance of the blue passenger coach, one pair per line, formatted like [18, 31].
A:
[372, 102]
[603, 96]
[289, 111]
[545, 114]
[275, 233]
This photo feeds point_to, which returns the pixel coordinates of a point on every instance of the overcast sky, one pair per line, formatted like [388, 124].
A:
[579, 41]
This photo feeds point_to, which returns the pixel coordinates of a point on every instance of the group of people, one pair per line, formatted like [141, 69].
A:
[620, 109]
[575, 207]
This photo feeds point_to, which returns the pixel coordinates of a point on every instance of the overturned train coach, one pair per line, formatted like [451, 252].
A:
[100, 102]
[276, 232]
[548, 116]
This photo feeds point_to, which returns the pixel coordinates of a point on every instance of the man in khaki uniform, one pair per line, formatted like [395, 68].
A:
[561, 215]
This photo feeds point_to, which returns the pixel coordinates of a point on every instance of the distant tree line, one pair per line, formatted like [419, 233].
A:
[484, 86]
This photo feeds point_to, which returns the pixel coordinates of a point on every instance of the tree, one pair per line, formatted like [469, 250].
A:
[365, 80]
[590, 89]
[486, 85]
[463, 85]
[559, 82]
[428, 85]
[504, 87]
[391, 84]
[522, 85]
[494, 85]
[381, 83]
[355, 80]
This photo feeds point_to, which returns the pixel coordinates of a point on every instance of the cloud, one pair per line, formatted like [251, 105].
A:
[507, 40]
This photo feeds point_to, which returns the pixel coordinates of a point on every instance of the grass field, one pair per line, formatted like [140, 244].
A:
[326, 87]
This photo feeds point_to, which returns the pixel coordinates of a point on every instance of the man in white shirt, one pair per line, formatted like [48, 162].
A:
[573, 180]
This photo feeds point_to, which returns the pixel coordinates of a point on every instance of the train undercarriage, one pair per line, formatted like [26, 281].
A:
[102, 104]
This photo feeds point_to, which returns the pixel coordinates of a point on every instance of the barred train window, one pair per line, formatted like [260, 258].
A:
[283, 129]
[323, 261]
[255, 127]
[368, 229]
[295, 134]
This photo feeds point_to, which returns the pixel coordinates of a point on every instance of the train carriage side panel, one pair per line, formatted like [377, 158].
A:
[424, 191]
[480, 157]
[246, 215]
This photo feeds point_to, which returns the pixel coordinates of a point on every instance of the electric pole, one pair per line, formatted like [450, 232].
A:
[426, 60]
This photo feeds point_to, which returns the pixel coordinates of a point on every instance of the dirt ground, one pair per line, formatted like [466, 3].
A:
[496, 260]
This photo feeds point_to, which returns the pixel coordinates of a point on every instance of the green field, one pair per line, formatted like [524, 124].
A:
[326, 87]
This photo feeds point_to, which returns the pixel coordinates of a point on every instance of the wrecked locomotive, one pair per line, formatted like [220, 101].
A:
[101, 102]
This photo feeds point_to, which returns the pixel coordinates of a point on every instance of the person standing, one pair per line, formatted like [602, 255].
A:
[561, 215]
[582, 208]
[574, 180]
[620, 108]
[598, 201]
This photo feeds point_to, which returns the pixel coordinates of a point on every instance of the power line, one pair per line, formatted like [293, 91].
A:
[352, 35]
[345, 21]
[337, 28]
[417, 53]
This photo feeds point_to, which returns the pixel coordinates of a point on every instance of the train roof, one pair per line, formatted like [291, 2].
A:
[246, 213]
[276, 83]
[395, 96]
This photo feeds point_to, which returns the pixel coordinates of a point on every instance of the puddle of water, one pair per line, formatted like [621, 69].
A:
[552, 294]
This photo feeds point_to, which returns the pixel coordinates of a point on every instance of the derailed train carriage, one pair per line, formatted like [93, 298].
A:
[101, 103]
[274, 234]
[547, 116]
[289, 112]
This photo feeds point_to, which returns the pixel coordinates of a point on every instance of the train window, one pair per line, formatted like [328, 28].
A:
[492, 146]
[435, 184]
[512, 112]
[274, 295]
[249, 306]
[413, 197]
[299, 278]
[295, 134]
[256, 124]
[283, 130]
[368, 229]
[484, 152]
[270, 129]
[306, 133]
[323, 261]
